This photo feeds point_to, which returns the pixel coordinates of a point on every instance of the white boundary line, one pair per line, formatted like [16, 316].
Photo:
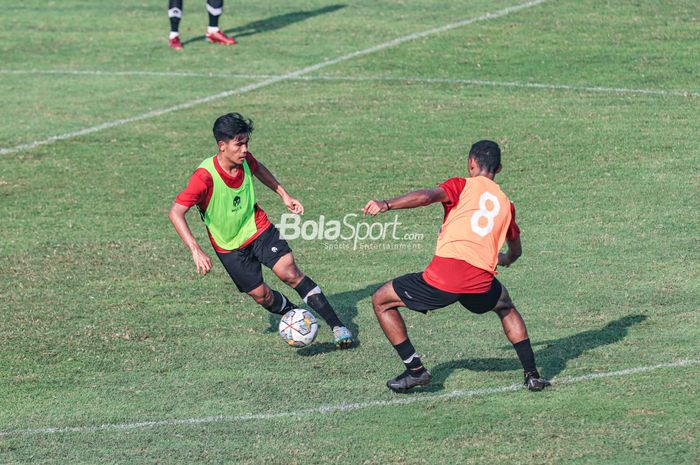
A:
[343, 407]
[272, 80]
[419, 80]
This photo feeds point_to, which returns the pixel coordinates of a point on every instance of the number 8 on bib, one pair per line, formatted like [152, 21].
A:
[484, 212]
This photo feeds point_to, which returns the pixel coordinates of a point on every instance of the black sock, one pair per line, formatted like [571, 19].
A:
[174, 14]
[312, 295]
[280, 304]
[526, 356]
[213, 20]
[214, 8]
[174, 24]
[409, 357]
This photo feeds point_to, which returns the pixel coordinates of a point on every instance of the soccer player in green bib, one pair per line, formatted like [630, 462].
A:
[240, 232]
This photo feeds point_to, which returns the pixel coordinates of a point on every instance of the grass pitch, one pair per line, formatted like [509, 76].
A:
[103, 320]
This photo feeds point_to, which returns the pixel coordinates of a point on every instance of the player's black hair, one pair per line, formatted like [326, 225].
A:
[487, 155]
[230, 126]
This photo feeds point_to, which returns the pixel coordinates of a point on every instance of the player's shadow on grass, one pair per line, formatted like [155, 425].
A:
[551, 356]
[272, 23]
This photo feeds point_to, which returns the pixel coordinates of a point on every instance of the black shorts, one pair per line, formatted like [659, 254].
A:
[420, 296]
[243, 265]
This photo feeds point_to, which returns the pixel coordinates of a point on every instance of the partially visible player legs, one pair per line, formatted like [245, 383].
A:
[516, 332]
[175, 14]
[385, 302]
[273, 301]
[214, 34]
[287, 270]
[245, 271]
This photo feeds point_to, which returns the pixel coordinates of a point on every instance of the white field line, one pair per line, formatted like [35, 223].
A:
[522, 85]
[410, 399]
[471, 82]
[271, 80]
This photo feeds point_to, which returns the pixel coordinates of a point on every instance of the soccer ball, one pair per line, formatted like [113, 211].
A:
[298, 327]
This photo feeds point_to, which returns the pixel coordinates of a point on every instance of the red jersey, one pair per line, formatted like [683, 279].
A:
[455, 275]
[201, 185]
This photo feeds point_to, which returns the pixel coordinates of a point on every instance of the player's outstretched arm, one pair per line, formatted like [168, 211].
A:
[267, 178]
[515, 250]
[413, 199]
[177, 218]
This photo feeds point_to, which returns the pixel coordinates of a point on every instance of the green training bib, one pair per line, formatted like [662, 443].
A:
[230, 215]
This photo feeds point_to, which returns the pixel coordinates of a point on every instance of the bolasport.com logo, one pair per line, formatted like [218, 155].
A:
[348, 233]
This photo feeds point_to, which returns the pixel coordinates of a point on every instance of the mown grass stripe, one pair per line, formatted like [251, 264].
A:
[419, 80]
[347, 407]
[268, 81]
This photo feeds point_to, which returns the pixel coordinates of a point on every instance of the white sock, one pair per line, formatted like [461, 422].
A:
[211, 30]
[314, 291]
[173, 35]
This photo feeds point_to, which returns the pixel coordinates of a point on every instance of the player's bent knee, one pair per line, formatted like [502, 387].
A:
[291, 276]
[380, 299]
[261, 295]
[503, 309]
[376, 301]
[504, 306]
[295, 277]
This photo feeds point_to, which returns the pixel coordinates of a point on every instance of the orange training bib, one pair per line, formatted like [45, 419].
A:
[475, 229]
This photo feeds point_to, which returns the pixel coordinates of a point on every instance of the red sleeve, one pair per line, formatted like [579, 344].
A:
[198, 190]
[252, 162]
[513, 230]
[453, 187]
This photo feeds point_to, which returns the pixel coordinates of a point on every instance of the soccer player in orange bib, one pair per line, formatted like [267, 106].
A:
[478, 219]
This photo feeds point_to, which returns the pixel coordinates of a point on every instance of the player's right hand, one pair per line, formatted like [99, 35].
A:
[201, 261]
[374, 206]
[503, 260]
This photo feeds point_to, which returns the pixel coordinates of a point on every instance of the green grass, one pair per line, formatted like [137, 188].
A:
[104, 321]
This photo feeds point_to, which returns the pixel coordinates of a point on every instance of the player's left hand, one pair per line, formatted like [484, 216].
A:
[294, 205]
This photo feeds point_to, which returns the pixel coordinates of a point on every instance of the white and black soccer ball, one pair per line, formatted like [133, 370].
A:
[298, 327]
